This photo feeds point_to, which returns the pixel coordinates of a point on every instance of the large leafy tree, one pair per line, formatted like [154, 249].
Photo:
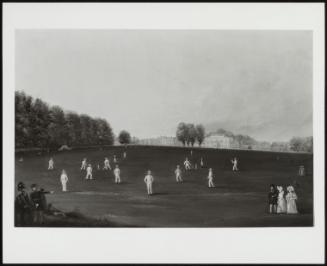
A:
[124, 137]
[200, 134]
[182, 132]
[191, 134]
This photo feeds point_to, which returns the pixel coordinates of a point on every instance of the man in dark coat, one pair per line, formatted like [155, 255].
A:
[23, 206]
[39, 203]
[272, 199]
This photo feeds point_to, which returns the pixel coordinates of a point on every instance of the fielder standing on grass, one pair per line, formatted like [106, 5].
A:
[83, 167]
[187, 164]
[106, 164]
[210, 179]
[51, 164]
[117, 175]
[234, 162]
[89, 172]
[64, 180]
[178, 173]
[148, 180]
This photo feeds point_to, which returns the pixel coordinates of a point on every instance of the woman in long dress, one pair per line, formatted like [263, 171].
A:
[291, 198]
[281, 202]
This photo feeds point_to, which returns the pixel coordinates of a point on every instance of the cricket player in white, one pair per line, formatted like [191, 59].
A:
[124, 155]
[106, 164]
[210, 178]
[51, 164]
[187, 164]
[115, 159]
[201, 162]
[234, 162]
[89, 172]
[64, 180]
[148, 180]
[83, 167]
[178, 173]
[117, 175]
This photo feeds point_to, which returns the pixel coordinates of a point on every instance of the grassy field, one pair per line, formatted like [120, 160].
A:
[239, 199]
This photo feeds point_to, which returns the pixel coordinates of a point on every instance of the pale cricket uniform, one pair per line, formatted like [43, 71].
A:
[115, 159]
[124, 155]
[64, 180]
[89, 173]
[148, 181]
[201, 162]
[210, 179]
[107, 164]
[178, 173]
[234, 162]
[117, 175]
[51, 164]
[187, 165]
[83, 167]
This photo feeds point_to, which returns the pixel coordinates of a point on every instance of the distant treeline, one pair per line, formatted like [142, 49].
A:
[39, 125]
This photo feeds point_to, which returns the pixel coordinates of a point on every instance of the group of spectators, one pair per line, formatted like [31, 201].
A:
[30, 207]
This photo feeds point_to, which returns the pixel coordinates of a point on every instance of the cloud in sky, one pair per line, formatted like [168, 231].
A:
[147, 81]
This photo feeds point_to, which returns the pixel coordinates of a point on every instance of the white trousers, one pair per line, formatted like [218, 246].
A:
[50, 167]
[179, 178]
[235, 167]
[64, 186]
[106, 167]
[187, 167]
[117, 179]
[210, 183]
[88, 176]
[83, 167]
[149, 188]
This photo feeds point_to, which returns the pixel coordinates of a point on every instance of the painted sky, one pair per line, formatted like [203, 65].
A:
[147, 81]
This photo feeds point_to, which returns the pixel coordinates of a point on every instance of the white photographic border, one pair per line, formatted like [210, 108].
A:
[164, 245]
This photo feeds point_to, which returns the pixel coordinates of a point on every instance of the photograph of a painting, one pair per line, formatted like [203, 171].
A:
[163, 128]
[163, 133]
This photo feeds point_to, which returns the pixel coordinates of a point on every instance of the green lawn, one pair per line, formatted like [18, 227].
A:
[240, 199]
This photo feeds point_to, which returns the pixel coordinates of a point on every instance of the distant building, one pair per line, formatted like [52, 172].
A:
[217, 141]
[160, 141]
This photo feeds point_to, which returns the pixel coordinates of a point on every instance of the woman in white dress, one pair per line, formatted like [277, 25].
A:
[281, 202]
[291, 198]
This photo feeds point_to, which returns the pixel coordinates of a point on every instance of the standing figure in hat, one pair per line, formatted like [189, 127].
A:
[272, 199]
[23, 206]
[187, 164]
[106, 164]
[291, 199]
[178, 174]
[281, 202]
[201, 162]
[210, 178]
[89, 172]
[83, 166]
[64, 180]
[117, 175]
[51, 164]
[148, 180]
[234, 162]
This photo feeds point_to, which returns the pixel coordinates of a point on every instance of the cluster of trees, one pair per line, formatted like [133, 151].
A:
[188, 133]
[301, 144]
[43, 126]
